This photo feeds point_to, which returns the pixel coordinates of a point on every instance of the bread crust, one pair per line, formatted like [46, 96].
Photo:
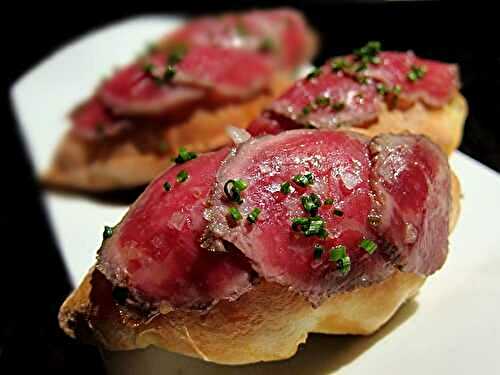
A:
[268, 323]
[133, 159]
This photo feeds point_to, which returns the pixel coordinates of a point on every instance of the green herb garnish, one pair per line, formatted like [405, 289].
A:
[177, 54]
[338, 106]
[252, 216]
[416, 72]
[338, 252]
[166, 186]
[318, 251]
[304, 180]
[310, 226]
[344, 265]
[108, 232]
[339, 64]
[314, 73]
[169, 74]
[182, 176]
[285, 187]
[306, 110]
[233, 188]
[368, 245]
[382, 89]
[322, 101]
[369, 52]
[328, 202]
[338, 212]
[148, 68]
[235, 213]
[184, 156]
[266, 45]
[311, 203]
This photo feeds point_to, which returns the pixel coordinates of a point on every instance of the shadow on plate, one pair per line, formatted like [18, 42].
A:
[322, 354]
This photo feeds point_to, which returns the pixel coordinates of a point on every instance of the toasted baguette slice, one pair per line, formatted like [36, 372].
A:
[443, 126]
[135, 157]
[267, 323]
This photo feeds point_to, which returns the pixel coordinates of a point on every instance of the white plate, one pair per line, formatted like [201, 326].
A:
[453, 326]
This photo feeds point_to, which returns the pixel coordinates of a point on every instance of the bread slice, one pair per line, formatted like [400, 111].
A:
[135, 157]
[444, 126]
[267, 323]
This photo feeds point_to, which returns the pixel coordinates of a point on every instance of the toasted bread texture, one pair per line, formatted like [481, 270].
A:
[134, 158]
[267, 323]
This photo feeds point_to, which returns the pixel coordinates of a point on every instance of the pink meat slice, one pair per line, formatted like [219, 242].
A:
[231, 73]
[435, 88]
[155, 250]
[341, 166]
[92, 120]
[280, 33]
[132, 91]
[302, 102]
[410, 179]
[271, 123]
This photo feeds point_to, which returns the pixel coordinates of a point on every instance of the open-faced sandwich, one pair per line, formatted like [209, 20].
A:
[235, 256]
[209, 73]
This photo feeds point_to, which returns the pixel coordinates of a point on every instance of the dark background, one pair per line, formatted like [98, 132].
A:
[33, 279]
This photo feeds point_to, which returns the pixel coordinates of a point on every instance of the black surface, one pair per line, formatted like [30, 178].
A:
[33, 279]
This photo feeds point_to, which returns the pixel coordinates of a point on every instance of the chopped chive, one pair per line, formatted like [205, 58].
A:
[235, 213]
[316, 227]
[285, 187]
[338, 212]
[339, 64]
[177, 54]
[382, 89]
[108, 232]
[396, 90]
[170, 72]
[233, 188]
[252, 217]
[314, 73]
[338, 252]
[304, 180]
[184, 156]
[322, 101]
[148, 68]
[369, 52]
[182, 176]
[318, 251]
[416, 72]
[328, 202]
[266, 45]
[368, 245]
[344, 265]
[306, 110]
[166, 186]
[310, 226]
[311, 203]
[362, 79]
[338, 106]
[298, 222]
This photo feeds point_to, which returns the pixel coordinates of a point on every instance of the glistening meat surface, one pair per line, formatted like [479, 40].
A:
[348, 91]
[155, 250]
[343, 170]
[320, 212]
